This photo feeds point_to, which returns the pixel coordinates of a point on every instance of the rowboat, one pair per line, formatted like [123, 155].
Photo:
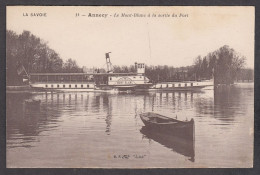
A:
[162, 124]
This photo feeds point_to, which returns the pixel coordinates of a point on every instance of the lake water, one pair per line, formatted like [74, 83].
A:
[88, 129]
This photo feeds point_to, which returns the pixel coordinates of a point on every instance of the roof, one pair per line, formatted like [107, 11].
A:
[68, 74]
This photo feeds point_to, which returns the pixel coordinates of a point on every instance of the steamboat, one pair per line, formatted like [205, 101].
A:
[108, 81]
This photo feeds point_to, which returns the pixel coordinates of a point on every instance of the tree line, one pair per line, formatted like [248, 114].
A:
[31, 52]
[224, 64]
[34, 55]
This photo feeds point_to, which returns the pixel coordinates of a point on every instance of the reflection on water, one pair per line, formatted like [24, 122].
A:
[178, 144]
[91, 129]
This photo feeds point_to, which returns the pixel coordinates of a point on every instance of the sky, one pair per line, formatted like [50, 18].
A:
[156, 40]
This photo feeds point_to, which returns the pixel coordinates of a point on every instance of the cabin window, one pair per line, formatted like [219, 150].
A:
[140, 77]
[69, 86]
[52, 85]
[173, 85]
[58, 86]
[46, 85]
[87, 86]
[191, 84]
[82, 86]
[110, 78]
[64, 85]
[75, 86]
[185, 84]
[166, 85]
[179, 85]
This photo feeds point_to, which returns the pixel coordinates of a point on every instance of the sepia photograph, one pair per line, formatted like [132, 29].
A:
[130, 87]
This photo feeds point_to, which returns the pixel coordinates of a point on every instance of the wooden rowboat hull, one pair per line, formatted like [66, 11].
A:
[165, 125]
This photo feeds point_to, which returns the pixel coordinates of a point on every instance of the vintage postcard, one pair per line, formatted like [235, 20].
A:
[129, 87]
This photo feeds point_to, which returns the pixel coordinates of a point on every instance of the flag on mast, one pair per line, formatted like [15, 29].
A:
[25, 79]
[20, 69]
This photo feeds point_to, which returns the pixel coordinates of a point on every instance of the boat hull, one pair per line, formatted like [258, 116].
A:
[197, 88]
[181, 86]
[183, 129]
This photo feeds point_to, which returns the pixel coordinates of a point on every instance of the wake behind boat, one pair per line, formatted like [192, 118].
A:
[159, 123]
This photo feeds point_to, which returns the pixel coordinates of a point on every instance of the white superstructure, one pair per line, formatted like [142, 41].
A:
[128, 80]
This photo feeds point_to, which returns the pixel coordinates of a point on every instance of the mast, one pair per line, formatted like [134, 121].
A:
[149, 41]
